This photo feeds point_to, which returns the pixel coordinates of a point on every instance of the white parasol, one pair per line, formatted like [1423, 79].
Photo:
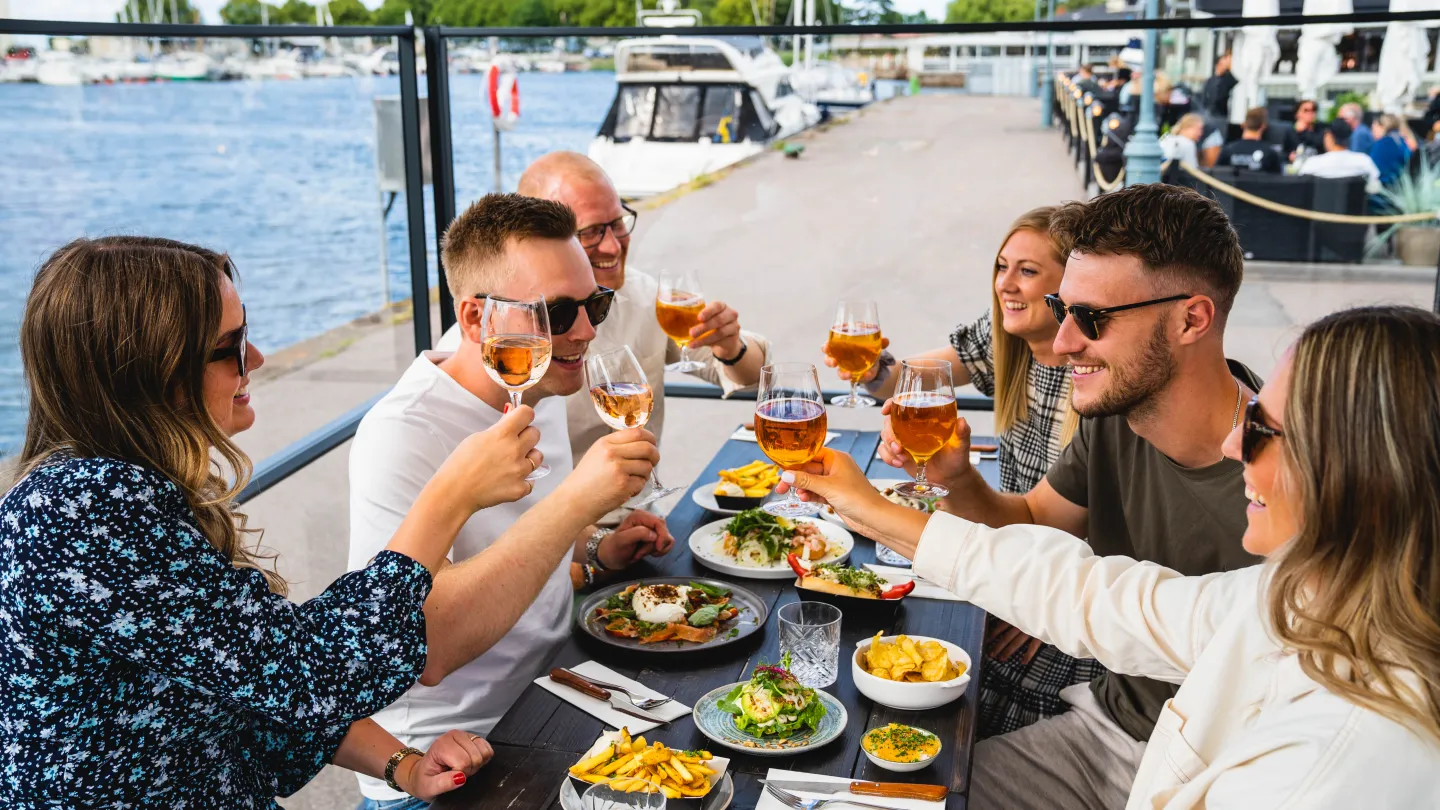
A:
[1402, 58]
[1318, 59]
[1255, 51]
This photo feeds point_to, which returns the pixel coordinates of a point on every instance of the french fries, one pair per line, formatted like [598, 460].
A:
[756, 478]
[632, 765]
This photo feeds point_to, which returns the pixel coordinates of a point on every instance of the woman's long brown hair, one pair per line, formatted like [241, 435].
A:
[1012, 354]
[1357, 593]
[116, 337]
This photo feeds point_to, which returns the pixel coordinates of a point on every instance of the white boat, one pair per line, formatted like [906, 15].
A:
[58, 69]
[183, 66]
[688, 106]
[282, 65]
[828, 84]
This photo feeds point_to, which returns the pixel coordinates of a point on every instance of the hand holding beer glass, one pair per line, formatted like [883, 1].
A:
[790, 425]
[855, 345]
[923, 417]
[678, 303]
[622, 396]
[515, 348]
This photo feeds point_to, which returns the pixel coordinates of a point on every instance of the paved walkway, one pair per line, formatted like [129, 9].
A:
[903, 204]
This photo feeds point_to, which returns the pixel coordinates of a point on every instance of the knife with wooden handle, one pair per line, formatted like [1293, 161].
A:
[889, 790]
[619, 704]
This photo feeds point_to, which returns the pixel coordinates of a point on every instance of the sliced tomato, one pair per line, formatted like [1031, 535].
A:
[685, 632]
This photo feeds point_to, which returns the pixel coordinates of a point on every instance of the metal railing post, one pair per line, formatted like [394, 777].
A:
[1142, 153]
[414, 193]
[442, 157]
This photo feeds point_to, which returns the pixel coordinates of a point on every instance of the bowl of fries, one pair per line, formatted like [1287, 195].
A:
[910, 672]
[634, 765]
[746, 487]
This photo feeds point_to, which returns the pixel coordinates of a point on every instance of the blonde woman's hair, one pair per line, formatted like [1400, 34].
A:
[1357, 592]
[1012, 354]
[115, 341]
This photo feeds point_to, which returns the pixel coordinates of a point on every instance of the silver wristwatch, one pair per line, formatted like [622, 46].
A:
[592, 548]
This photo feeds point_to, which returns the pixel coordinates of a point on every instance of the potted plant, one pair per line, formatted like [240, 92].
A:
[1416, 243]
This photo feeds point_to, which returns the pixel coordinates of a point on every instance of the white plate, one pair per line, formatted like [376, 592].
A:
[705, 497]
[705, 539]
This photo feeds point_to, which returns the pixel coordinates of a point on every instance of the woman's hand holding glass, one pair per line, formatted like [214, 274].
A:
[453, 757]
[491, 467]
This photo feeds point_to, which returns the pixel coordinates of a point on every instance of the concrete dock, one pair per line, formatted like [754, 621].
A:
[903, 203]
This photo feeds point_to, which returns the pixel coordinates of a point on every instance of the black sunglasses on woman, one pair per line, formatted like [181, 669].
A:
[237, 351]
[1253, 430]
[564, 311]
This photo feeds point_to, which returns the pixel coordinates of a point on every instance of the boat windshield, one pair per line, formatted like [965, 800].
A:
[719, 113]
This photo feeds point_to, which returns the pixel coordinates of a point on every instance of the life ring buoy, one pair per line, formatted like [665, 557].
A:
[503, 89]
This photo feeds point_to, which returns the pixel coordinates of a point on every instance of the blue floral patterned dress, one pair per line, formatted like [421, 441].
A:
[140, 669]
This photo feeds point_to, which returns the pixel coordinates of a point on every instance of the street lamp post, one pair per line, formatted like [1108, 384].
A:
[1142, 153]
[1047, 82]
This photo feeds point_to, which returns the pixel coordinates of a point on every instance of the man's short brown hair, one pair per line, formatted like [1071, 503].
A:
[1256, 118]
[1178, 233]
[475, 242]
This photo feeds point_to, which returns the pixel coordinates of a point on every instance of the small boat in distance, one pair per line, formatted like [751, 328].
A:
[688, 106]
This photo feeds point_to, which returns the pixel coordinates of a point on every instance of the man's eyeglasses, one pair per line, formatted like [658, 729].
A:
[238, 350]
[563, 313]
[1253, 431]
[595, 234]
[1089, 319]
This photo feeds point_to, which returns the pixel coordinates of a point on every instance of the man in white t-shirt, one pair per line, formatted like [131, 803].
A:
[498, 613]
[1339, 161]
[732, 357]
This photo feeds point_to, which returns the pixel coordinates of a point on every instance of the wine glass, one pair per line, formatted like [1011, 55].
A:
[923, 418]
[790, 425]
[855, 344]
[515, 348]
[678, 303]
[622, 396]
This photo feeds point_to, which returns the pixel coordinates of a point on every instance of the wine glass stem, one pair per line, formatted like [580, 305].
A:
[685, 353]
[920, 473]
[514, 399]
[655, 482]
[853, 395]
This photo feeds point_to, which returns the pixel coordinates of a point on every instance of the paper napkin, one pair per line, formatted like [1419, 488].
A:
[742, 434]
[924, 588]
[602, 710]
[768, 802]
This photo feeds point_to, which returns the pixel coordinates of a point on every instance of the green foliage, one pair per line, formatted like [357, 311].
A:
[1410, 194]
[349, 12]
[140, 13]
[241, 12]
[872, 12]
[423, 12]
[978, 11]
[1347, 97]
[731, 12]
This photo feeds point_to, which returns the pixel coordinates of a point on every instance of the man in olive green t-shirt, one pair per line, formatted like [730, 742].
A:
[1152, 275]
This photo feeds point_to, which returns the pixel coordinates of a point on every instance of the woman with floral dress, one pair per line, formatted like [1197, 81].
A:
[149, 656]
[1006, 354]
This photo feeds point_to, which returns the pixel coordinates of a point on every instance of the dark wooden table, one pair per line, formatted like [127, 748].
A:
[542, 735]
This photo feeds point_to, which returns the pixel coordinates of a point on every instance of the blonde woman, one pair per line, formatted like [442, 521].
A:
[1008, 354]
[149, 654]
[1312, 680]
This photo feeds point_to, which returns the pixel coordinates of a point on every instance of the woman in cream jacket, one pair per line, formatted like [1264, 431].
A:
[1311, 681]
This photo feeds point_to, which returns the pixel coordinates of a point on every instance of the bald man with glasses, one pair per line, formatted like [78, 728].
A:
[731, 357]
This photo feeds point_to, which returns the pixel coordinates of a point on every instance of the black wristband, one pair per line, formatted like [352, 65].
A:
[744, 347]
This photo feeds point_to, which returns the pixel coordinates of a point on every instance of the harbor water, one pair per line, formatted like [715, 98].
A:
[279, 174]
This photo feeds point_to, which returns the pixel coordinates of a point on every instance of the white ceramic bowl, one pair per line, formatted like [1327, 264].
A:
[901, 767]
[904, 695]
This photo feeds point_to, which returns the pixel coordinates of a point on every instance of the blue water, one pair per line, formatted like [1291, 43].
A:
[281, 175]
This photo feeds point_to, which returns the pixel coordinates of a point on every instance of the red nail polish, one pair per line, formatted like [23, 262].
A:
[459, 779]
[507, 408]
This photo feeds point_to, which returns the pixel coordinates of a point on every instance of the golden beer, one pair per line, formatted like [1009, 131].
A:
[791, 431]
[855, 346]
[516, 361]
[623, 405]
[923, 421]
[678, 315]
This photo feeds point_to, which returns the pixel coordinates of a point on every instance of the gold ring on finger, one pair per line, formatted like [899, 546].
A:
[533, 465]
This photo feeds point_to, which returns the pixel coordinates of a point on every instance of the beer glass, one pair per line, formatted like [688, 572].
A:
[623, 398]
[855, 344]
[678, 304]
[923, 418]
[515, 348]
[790, 425]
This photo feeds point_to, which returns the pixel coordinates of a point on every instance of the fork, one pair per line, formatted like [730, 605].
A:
[797, 803]
[640, 703]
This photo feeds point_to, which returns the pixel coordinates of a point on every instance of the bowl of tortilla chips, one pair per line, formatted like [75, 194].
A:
[910, 672]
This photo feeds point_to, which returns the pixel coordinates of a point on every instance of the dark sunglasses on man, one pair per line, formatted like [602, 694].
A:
[622, 227]
[236, 351]
[564, 312]
[1253, 430]
[1089, 318]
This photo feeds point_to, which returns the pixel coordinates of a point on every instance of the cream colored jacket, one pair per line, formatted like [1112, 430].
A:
[1248, 728]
